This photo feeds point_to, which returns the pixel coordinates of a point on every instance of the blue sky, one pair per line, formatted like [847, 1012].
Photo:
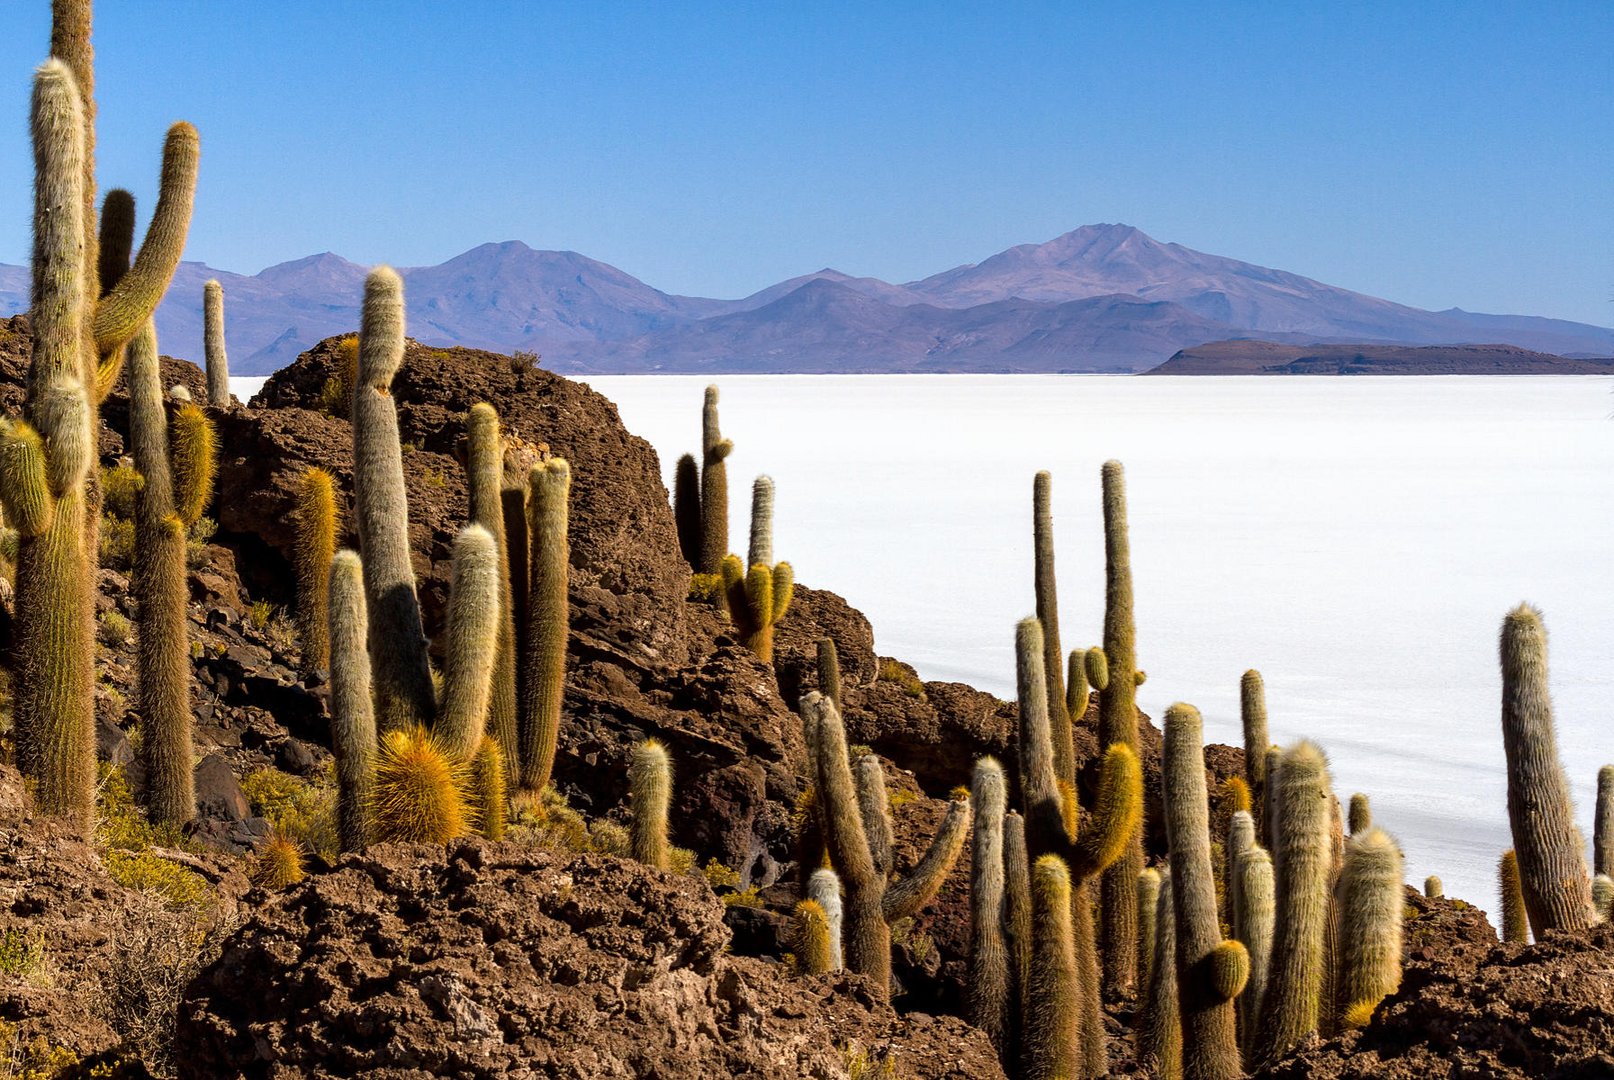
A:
[1435, 154]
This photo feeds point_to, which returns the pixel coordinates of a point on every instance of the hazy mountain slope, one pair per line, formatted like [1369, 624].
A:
[1271, 358]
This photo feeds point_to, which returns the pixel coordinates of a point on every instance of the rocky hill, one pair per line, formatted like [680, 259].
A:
[1271, 358]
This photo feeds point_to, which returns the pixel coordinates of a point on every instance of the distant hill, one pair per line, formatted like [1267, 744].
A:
[1099, 298]
[1269, 358]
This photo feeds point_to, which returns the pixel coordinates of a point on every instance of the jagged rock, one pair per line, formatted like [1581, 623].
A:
[493, 959]
[218, 793]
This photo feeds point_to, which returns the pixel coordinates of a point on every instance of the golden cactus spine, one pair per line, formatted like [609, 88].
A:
[650, 792]
[402, 674]
[1118, 723]
[1046, 587]
[1551, 853]
[543, 681]
[989, 986]
[1515, 923]
[813, 954]
[218, 360]
[757, 599]
[353, 732]
[315, 547]
[824, 889]
[484, 481]
[714, 488]
[418, 793]
[473, 634]
[1370, 904]
[1211, 972]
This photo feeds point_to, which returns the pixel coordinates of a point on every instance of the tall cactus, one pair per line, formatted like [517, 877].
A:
[687, 509]
[1118, 723]
[484, 476]
[1552, 859]
[1253, 719]
[1515, 923]
[829, 671]
[353, 734]
[315, 546]
[650, 792]
[1052, 1006]
[1211, 972]
[761, 548]
[1303, 803]
[1040, 795]
[1160, 1026]
[1254, 927]
[990, 985]
[714, 488]
[757, 600]
[872, 903]
[1240, 838]
[543, 681]
[472, 634]
[1603, 823]
[1046, 587]
[403, 682]
[1017, 921]
[218, 361]
[1370, 905]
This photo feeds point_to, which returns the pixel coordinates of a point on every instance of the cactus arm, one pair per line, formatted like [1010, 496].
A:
[1097, 668]
[548, 621]
[758, 598]
[1017, 912]
[829, 670]
[23, 488]
[1603, 823]
[784, 587]
[487, 788]
[1115, 815]
[1045, 587]
[874, 806]
[1076, 688]
[687, 508]
[761, 547]
[116, 238]
[134, 299]
[473, 628]
[906, 897]
[192, 445]
[1039, 787]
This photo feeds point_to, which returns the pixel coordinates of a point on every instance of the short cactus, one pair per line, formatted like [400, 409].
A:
[315, 519]
[487, 788]
[1160, 1027]
[218, 361]
[650, 795]
[1211, 972]
[1551, 853]
[473, 634]
[687, 509]
[1515, 923]
[714, 488]
[1046, 587]
[278, 863]
[1052, 998]
[418, 794]
[1603, 823]
[353, 734]
[1148, 899]
[757, 599]
[990, 985]
[543, 664]
[1370, 902]
[813, 955]
[824, 888]
[1360, 818]
[1433, 888]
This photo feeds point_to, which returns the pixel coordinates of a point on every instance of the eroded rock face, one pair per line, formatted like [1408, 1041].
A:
[493, 959]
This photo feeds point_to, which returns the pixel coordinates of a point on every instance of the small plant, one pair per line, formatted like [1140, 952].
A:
[302, 812]
[259, 614]
[419, 792]
[114, 629]
[177, 886]
[862, 1065]
[719, 876]
[117, 543]
[36, 1059]
[747, 898]
[894, 671]
[706, 589]
[278, 864]
[522, 359]
[23, 955]
[120, 484]
[435, 478]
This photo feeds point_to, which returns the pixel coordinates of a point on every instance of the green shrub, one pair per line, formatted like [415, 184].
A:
[894, 671]
[706, 588]
[114, 629]
[117, 543]
[120, 484]
[300, 811]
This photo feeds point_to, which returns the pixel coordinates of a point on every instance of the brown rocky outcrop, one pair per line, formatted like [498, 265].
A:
[493, 959]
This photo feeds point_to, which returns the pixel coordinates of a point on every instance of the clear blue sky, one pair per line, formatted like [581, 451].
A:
[1437, 154]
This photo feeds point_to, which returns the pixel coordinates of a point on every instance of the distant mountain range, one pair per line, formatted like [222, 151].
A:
[1268, 358]
[1100, 298]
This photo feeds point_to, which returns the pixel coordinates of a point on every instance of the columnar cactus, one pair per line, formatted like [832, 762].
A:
[1253, 716]
[1304, 806]
[1269, 807]
[650, 795]
[543, 681]
[487, 788]
[1097, 669]
[1118, 723]
[473, 635]
[1515, 923]
[871, 904]
[353, 734]
[1603, 898]
[874, 808]
[1360, 818]
[824, 888]
[757, 599]
[829, 671]
[714, 488]
[1052, 999]
[1160, 1028]
[315, 518]
[1211, 972]
[1370, 903]
[1046, 587]
[1552, 858]
[1040, 795]
[1254, 927]
[813, 955]
[484, 482]
[990, 985]
[1240, 838]
[687, 509]
[402, 674]
[1433, 887]
[1148, 899]
[1017, 918]
[761, 549]
[418, 793]
[1603, 823]
[1076, 688]
[218, 361]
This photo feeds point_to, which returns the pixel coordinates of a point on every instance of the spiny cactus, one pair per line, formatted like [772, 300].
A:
[813, 956]
[714, 488]
[1515, 923]
[1254, 887]
[871, 905]
[1118, 723]
[315, 519]
[218, 361]
[1269, 809]
[687, 509]
[1148, 898]
[650, 794]
[513, 494]
[1433, 888]
[543, 680]
[484, 482]
[1603, 898]
[473, 634]
[1603, 823]
[1039, 781]
[1052, 999]
[1253, 718]
[990, 985]
[1370, 903]
[1360, 818]
[1304, 804]
[1211, 972]
[278, 863]
[1016, 920]
[403, 683]
[1160, 1027]
[1046, 586]
[874, 808]
[353, 735]
[487, 788]
[761, 549]
[1076, 688]
[1097, 668]
[824, 888]
[829, 671]
[757, 600]
[1552, 858]
[1240, 838]
[418, 793]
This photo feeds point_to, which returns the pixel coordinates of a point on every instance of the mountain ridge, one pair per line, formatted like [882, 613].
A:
[1099, 297]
